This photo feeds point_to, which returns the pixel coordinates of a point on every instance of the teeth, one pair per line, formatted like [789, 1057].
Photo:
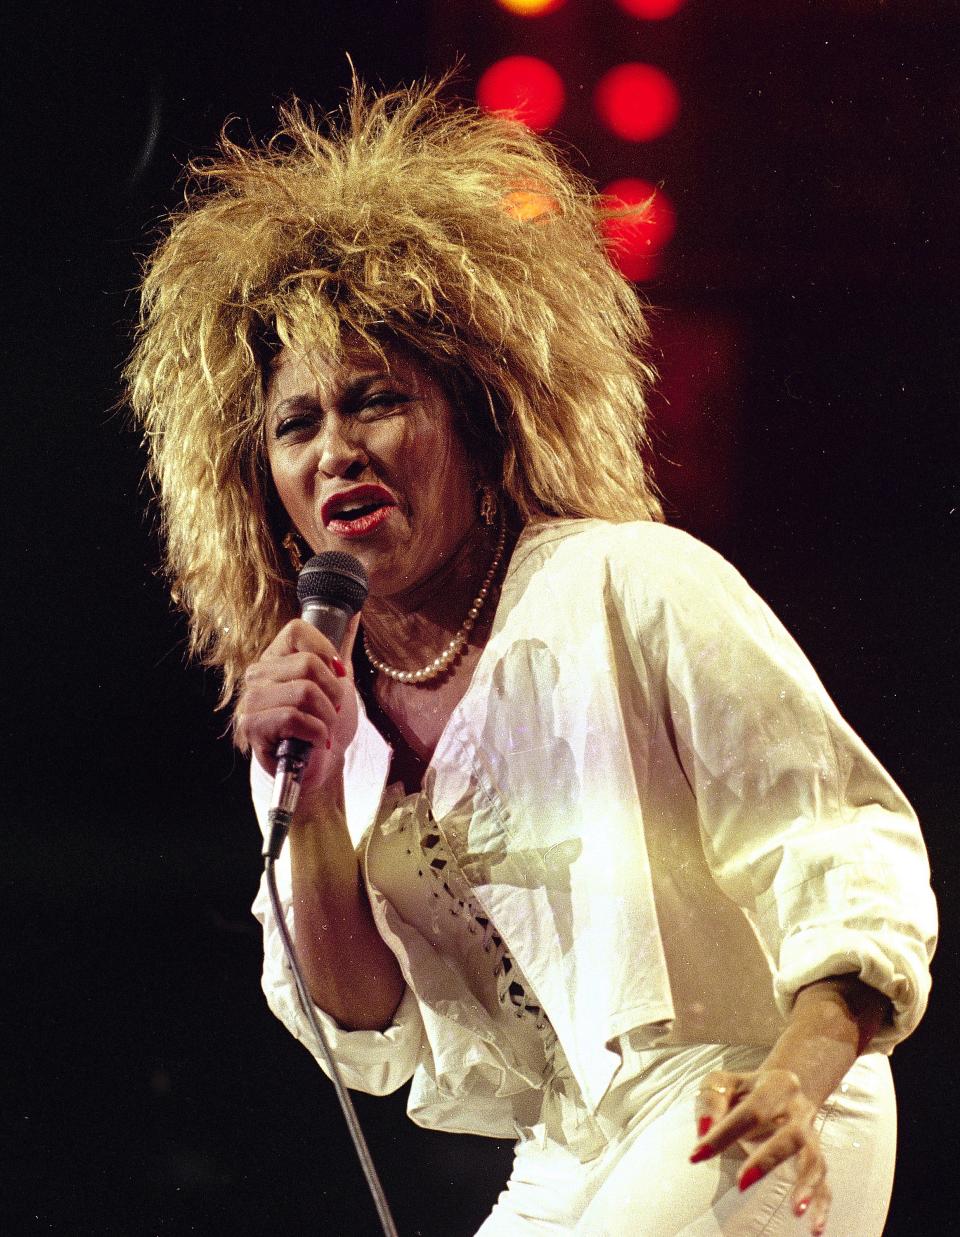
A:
[354, 513]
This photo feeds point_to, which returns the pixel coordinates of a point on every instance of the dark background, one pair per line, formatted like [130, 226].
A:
[806, 332]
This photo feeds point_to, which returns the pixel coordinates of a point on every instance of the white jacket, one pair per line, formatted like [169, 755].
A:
[662, 812]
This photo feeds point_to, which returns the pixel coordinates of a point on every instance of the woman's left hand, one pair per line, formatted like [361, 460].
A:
[767, 1112]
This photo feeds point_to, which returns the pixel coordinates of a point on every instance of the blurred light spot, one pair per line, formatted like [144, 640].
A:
[638, 102]
[652, 10]
[530, 8]
[523, 87]
[528, 205]
[636, 240]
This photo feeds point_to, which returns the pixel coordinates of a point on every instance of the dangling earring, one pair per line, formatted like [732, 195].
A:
[292, 547]
[488, 504]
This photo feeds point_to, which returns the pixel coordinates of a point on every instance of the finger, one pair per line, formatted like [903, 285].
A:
[811, 1171]
[268, 727]
[820, 1210]
[298, 636]
[764, 1104]
[302, 694]
[714, 1099]
[740, 1121]
[771, 1153]
[286, 667]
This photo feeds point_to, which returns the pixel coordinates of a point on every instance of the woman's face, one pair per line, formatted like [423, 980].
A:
[365, 459]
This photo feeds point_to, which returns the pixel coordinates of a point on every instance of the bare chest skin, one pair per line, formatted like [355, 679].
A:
[413, 717]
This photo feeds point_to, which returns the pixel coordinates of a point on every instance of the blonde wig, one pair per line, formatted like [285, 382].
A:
[401, 218]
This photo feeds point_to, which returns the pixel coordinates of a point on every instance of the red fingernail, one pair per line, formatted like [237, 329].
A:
[336, 708]
[701, 1153]
[751, 1177]
[703, 1126]
[339, 669]
[329, 745]
[801, 1207]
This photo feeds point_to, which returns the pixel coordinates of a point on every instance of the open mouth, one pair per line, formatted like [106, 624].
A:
[357, 511]
[349, 514]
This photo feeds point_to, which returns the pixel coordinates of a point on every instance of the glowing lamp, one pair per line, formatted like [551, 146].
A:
[636, 238]
[523, 87]
[652, 10]
[530, 8]
[638, 102]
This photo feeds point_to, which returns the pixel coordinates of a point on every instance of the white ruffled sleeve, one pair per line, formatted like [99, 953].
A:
[377, 1062]
[800, 824]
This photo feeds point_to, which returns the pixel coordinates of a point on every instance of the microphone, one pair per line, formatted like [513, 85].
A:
[331, 588]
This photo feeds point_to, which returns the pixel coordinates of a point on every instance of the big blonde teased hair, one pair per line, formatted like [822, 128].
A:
[457, 234]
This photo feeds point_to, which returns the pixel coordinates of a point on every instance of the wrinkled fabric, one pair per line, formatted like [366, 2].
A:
[656, 802]
[642, 1182]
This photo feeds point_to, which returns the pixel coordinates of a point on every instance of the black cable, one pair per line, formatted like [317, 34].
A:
[349, 1113]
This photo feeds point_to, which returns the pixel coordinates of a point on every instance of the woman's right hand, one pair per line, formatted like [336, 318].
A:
[300, 689]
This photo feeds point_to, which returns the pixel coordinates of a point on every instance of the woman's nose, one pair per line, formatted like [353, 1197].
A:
[340, 453]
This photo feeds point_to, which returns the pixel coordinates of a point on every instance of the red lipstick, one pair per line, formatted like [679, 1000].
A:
[356, 511]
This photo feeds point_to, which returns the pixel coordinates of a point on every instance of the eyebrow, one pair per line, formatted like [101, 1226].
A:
[347, 394]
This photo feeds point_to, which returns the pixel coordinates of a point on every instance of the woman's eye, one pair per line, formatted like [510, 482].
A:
[288, 426]
[382, 402]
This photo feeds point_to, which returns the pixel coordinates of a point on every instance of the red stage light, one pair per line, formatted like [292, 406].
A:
[652, 10]
[528, 89]
[635, 240]
[530, 8]
[638, 102]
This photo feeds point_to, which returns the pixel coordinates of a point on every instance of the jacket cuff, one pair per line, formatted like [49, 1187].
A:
[902, 977]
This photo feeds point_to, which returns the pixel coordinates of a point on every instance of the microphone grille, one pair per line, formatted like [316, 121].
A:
[333, 578]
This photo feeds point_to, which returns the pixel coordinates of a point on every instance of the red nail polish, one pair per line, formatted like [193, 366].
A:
[329, 745]
[703, 1126]
[751, 1177]
[801, 1207]
[702, 1153]
[339, 669]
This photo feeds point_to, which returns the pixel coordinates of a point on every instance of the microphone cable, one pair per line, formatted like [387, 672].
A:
[343, 1095]
[331, 588]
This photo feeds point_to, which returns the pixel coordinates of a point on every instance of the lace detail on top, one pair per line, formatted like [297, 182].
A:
[449, 888]
[411, 866]
[456, 963]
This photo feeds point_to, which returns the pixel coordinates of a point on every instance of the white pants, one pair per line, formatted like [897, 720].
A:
[643, 1185]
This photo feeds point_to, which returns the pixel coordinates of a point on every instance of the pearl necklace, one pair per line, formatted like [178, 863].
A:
[453, 650]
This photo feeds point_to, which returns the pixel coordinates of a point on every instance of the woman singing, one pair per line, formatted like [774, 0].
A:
[583, 847]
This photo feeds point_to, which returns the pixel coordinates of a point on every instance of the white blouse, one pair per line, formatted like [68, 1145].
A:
[658, 807]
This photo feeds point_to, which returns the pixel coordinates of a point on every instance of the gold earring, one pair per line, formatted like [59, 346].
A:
[488, 504]
[292, 548]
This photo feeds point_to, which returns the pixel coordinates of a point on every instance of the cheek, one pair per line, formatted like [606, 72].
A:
[453, 483]
[289, 488]
[434, 462]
